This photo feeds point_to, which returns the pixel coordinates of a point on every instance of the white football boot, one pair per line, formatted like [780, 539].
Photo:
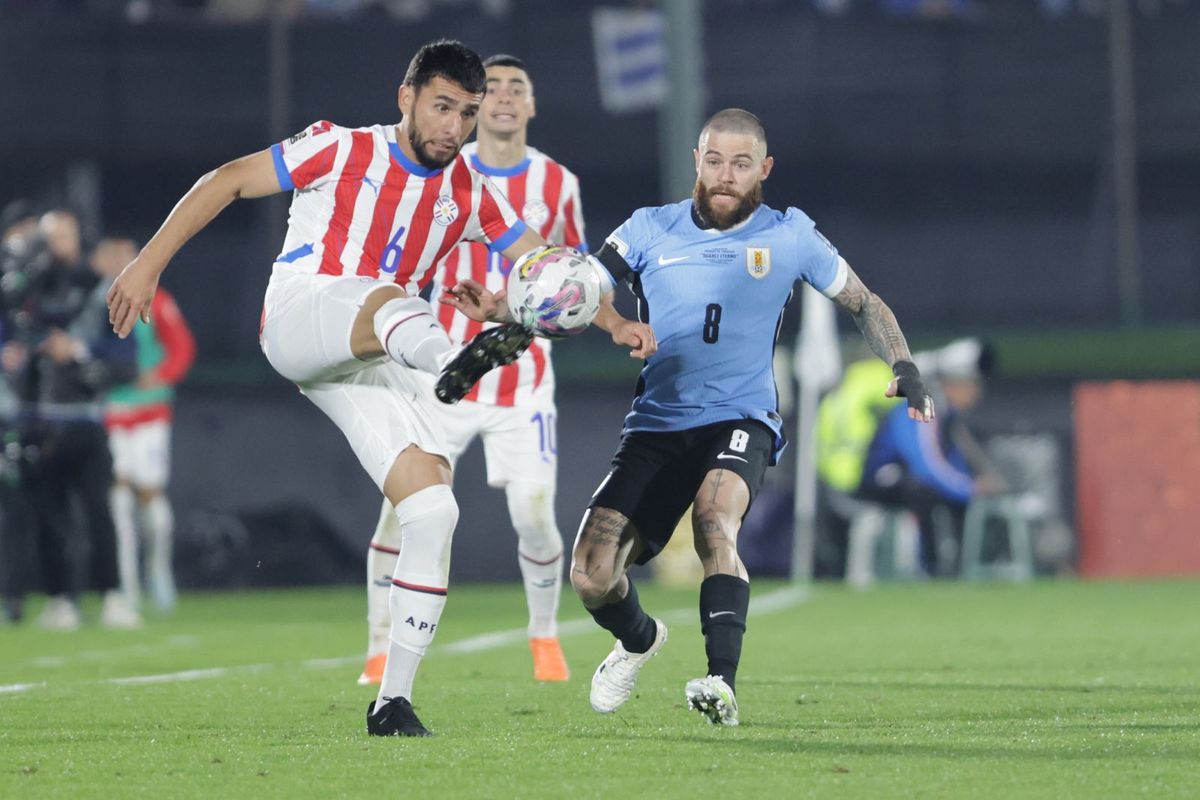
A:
[117, 613]
[60, 614]
[614, 679]
[713, 698]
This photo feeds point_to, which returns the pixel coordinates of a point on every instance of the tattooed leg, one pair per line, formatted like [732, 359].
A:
[717, 512]
[607, 543]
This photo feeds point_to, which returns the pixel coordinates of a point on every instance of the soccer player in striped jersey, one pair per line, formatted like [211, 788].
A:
[138, 419]
[511, 408]
[373, 210]
[714, 273]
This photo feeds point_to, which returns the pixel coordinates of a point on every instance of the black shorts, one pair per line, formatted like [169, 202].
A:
[655, 476]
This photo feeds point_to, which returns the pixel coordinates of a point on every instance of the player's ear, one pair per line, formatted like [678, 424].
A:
[405, 98]
[532, 107]
[767, 164]
[696, 155]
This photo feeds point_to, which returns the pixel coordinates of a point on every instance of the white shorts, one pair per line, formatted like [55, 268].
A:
[142, 454]
[519, 442]
[381, 407]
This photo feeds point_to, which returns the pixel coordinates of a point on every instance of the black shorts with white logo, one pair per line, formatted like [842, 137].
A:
[655, 476]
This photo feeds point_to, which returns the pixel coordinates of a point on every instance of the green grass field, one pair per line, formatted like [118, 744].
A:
[1052, 690]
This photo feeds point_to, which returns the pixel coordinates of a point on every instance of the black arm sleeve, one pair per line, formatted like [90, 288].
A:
[617, 266]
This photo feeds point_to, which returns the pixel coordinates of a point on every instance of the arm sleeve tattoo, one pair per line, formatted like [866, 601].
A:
[875, 320]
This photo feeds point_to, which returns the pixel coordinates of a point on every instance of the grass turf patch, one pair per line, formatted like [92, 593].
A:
[1058, 689]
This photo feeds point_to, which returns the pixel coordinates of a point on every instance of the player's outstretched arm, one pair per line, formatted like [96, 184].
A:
[882, 332]
[626, 332]
[251, 176]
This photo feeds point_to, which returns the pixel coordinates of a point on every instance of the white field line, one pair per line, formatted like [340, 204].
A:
[767, 604]
[779, 600]
[14, 688]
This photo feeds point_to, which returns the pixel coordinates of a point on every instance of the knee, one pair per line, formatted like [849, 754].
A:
[426, 521]
[531, 508]
[592, 589]
[387, 529]
[591, 580]
[714, 534]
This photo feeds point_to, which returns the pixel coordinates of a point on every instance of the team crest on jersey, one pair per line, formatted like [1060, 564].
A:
[445, 210]
[758, 261]
[535, 212]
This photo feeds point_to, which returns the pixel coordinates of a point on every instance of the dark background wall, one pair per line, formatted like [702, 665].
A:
[960, 166]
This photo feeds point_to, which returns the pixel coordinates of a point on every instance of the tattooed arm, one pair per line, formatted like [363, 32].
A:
[882, 332]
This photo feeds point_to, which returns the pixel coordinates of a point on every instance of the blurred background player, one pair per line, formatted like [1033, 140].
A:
[718, 271]
[512, 408]
[373, 211]
[138, 418]
[934, 471]
[62, 359]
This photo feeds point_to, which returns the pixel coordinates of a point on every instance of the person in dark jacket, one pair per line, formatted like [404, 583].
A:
[62, 356]
[924, 468]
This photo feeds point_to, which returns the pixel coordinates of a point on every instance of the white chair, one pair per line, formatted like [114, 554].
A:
[1015, 512]
[882, 543]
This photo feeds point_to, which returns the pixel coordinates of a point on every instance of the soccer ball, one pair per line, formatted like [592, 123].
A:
[554, 291]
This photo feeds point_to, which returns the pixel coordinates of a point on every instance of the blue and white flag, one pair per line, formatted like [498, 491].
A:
[631, 58]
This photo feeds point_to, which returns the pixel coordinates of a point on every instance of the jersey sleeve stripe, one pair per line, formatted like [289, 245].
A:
[839, 279]
[281, 170]
[343, 205]
[493, 223]
[516, 191]
[315, 167]
[504, 242]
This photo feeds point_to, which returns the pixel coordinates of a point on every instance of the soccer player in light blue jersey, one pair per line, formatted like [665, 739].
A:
[712, 275]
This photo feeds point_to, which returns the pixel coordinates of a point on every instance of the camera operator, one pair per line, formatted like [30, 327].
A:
[61, 357]
[18, 226]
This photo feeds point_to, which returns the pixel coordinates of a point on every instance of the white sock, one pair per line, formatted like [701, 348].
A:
[381, 566]
[158, 524]
[539, 553]
[418, 594]
[124, 505]
[410, 333]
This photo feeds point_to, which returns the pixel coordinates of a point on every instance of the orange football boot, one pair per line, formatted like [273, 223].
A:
[373, 670]
[548, 661]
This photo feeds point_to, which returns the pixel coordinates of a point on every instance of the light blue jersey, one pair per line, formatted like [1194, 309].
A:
[715, 300]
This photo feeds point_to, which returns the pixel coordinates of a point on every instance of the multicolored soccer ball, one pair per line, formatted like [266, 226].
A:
[554, 291]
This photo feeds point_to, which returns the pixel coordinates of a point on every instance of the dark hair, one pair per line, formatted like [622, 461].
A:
[449, 59]
[504, 60]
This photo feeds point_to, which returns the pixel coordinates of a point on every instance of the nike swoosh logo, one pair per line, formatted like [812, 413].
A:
[712, 614]
[727, 455]
[662, 262]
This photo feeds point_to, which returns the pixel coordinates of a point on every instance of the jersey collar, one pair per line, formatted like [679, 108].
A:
[410, 165]
[699, 223]
[498, 172]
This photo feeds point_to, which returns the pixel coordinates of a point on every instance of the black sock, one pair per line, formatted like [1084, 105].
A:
[626, 620]
[724, 601]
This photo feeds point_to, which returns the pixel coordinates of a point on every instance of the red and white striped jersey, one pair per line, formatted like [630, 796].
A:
[361, 207]
[547, 195]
